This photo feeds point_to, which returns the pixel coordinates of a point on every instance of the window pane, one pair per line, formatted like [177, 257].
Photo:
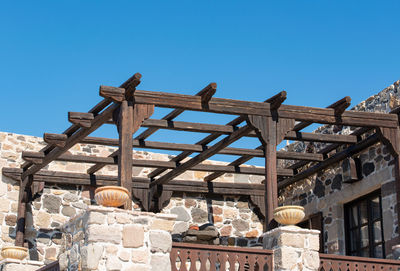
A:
[376, 209]
[363, 212]
[353, 216]
[364, 252]
[364, 236]
[378, 253]
[354, 238]
[377, 230]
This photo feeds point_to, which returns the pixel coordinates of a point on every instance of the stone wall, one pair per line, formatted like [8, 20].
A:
[60, 203]
[328, 191]
[102, 238]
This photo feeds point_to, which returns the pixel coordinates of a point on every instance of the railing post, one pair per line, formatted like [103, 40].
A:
[294, 248]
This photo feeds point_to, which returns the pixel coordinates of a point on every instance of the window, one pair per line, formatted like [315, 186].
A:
[315, 222]
[364, 232]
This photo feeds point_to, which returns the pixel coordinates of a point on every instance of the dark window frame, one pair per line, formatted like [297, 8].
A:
[348, 209]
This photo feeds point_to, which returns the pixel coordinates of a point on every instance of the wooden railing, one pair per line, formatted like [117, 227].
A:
[54, 266]
[330, 262]
[196, 257]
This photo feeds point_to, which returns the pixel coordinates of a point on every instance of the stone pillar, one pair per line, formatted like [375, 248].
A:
[294, 248]
[115, 239]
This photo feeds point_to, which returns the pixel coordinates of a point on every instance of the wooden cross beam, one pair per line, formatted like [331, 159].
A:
[210, 88]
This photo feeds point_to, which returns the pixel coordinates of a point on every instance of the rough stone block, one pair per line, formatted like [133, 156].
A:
[113, 263]
[96, 218]
[160, 263]
[162, 224]
[161, 241]
[90, 256]
[137, 267]
[104, 233]
[311, 259]
[140, 256]
[133, 236]
[287, 258]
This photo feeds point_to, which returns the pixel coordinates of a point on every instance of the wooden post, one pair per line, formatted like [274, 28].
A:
[125, 129]
[266, 128]
[21, 213]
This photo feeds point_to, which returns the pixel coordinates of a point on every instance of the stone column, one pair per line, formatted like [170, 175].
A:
[17, 265]
[294, 248]
[112, 239]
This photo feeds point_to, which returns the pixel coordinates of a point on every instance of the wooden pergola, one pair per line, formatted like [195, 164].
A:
[270, 121]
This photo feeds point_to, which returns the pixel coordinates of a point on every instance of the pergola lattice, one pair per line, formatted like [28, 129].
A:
[270, 121]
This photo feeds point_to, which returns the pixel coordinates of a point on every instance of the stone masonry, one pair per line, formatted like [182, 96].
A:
[102, 238]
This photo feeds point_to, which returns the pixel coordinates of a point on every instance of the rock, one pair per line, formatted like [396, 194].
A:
[140, 256]
[319, 188]
[180, 227]
[124, 255]
[252, 234]
[104, 233]
[68, 211]
[242, 204]
[113, 264]
[190, 203]
[51, 253]
[51, 203]
[162, 224]
[199, 215]
[4, 205]
[337, 182]
[11, 220]
[182, 214]
[69, 197]
[226, 230]
[160, 263]
[132, 236]
[160, 241]
[91, 255]
[230, 213]
[368, 168]
[240, 224]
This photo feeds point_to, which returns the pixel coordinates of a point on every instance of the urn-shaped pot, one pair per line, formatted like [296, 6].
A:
[111, 196]
[289, 215]
[14, 252]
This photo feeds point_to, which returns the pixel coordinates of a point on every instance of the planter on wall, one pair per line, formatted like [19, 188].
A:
[289, 215]
[14, 252]
[111, 196]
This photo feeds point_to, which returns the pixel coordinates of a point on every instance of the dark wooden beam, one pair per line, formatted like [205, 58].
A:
[342, 103]
[203, 155]
[21, 212]
[207, 93]
[352, 150]
[81, 119]
[33, 157]
[148, 132]
[299, 113]
[132, 82]
[72, 140]
[113, 93]
[276, 100]
[68, 178]
[228, 129]
[57, 140]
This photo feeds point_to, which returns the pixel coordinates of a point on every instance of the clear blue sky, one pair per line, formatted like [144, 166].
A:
[55, 54]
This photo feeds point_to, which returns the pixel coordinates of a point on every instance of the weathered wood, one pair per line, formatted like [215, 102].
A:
[345, 100]
[72, 140]
[299, 113]
[21, 212]
[132, 82]
[276, 100]
[204, 155]
[352, 150]
[228, 129]
[60, 177]
[267, 130]
[125, 129]
[81, 119]
[113, 93]
[207, 93]
[58, 140]
[33, 157]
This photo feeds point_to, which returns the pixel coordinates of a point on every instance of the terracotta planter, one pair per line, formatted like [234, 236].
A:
[14, 252]
[111, 196]
[289, 215]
